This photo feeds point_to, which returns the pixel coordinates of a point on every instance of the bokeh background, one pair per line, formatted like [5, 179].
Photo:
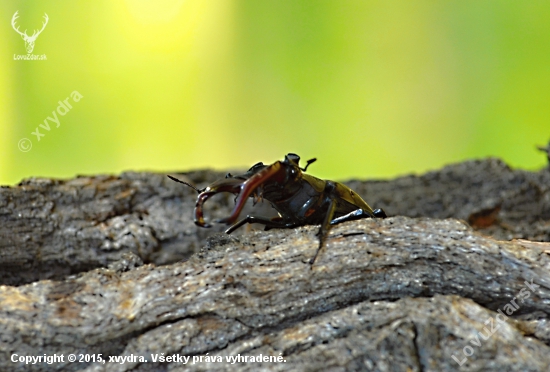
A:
[373, 89]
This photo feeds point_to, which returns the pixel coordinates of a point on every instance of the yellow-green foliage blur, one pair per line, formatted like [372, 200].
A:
[371, 88]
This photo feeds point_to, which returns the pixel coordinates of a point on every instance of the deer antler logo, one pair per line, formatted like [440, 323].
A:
[29, 40]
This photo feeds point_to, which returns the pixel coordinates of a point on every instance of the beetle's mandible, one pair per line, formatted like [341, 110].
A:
[300, 199]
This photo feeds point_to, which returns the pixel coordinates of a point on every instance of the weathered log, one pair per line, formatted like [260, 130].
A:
[258, 294]
[417, 294]
[504, 203]
[53, 228]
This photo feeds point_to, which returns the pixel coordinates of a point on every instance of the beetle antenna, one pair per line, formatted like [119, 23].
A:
[308, 163]
[185, 183]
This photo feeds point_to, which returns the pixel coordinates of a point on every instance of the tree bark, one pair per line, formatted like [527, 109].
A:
[404, 293]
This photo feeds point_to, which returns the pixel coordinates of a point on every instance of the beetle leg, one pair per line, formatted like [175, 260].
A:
[269, 223]
[325, 227]
[351, 216]
[379, 213]
[279, 219]
[358, 214]
[355, 215]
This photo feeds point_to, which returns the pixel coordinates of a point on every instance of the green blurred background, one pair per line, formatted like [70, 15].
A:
[373, 89]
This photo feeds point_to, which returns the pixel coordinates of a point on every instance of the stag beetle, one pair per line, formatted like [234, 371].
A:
[299, 198]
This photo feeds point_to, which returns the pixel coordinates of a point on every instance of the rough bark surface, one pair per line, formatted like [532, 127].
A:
[401, 294]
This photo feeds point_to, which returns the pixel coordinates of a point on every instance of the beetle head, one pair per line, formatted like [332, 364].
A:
[294, 160]
[293, 172]
[292, 168]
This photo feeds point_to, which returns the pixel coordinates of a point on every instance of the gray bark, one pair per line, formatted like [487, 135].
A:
[384, 295]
